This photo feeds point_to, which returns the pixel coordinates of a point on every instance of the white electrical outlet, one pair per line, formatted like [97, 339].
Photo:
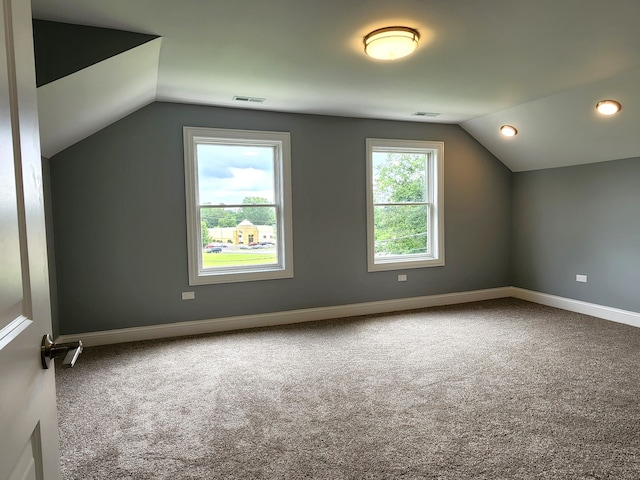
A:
[188, 295]
[581, 278]
[402, 278]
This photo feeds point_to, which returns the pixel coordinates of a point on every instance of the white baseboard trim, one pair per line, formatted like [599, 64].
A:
[180, 329]
[607, 313]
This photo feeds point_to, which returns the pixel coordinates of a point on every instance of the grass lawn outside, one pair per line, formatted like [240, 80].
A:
[231, 259]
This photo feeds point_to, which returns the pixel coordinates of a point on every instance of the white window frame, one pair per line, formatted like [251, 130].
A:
[282, 184]
[435, 201]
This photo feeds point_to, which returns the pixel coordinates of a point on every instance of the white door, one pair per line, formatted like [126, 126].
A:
[29, 446]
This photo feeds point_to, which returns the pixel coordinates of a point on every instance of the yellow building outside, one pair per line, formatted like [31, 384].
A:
[245, 233]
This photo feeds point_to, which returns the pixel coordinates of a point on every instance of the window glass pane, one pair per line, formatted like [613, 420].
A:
[405, 221]
[399, 177]
[400, 230]
[238, 237]
[231, 174]
[238, 191]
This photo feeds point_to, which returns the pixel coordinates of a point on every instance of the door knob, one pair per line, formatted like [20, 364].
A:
[50, 350]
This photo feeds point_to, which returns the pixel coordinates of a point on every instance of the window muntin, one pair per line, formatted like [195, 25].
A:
[404, 204]
[238, 205]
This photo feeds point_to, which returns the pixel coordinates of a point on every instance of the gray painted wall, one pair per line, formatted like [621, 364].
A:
[119, 220]
[62, 48]
[579, 220]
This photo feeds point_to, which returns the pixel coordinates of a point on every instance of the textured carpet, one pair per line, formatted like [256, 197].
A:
[502, 389]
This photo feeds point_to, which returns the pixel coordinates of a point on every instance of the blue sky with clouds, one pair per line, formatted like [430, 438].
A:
[229, 173]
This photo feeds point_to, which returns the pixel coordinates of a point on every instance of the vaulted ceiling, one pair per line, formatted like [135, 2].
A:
[538, 65]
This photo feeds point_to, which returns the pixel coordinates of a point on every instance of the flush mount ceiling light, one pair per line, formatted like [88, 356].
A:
[608, 107]
[391, 43]
[508, 131]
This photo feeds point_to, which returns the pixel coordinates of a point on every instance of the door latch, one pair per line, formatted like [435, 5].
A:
[50, 350]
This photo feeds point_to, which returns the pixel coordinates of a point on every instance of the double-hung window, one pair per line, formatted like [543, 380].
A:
[238, 188]
[405, 221]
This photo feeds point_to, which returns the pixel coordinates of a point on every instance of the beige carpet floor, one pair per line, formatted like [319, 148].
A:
[503, 389]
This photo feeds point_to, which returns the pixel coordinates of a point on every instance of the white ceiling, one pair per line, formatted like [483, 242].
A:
[90, 99]
[540, 65]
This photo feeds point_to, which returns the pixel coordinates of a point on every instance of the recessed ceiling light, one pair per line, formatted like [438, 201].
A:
[608, 107]
[391, 43]
[508, 130]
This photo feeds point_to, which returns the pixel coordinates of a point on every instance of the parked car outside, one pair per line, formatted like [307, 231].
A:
[213, 249]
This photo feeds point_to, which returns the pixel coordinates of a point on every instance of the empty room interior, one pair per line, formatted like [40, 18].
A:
[239, 176]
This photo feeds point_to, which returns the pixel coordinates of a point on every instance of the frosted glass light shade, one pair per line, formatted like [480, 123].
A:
[391, 43]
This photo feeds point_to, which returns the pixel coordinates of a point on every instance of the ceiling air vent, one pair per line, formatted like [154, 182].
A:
[249, 99]
[426, 114]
